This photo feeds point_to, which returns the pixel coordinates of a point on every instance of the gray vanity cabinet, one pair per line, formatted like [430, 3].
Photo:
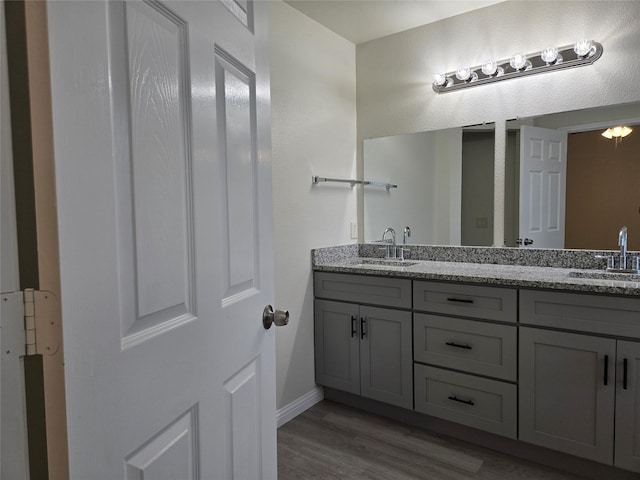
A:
[364, 349]
[455, 355]
[567, 392]
[573, 386]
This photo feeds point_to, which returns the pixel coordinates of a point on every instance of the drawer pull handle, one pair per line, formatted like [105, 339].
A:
[354, 327]
[466, 402]
[606, 369]
[363, 324]
[453, 344]
[459, 300]
[625, 368]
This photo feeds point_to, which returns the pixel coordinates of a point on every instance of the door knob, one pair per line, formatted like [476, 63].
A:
[279, 317]
[527, 241]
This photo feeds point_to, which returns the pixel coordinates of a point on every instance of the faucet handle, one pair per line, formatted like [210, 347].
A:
[611, 259]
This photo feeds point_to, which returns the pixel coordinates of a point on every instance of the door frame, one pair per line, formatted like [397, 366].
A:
[37, 233]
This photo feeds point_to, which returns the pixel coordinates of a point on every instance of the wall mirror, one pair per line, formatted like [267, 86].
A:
[445, 186]
[567, 186]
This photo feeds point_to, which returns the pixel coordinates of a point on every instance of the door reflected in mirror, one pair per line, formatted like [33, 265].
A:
[586, 200]
[445, 186]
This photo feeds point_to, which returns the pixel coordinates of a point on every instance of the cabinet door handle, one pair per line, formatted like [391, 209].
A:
[625, 369]
[363, 324]
[459, 300]
[466, 402]
[606, 369]
[453, 344]
[354, 327]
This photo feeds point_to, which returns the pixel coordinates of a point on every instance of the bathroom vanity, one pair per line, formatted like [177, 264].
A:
[497, 340]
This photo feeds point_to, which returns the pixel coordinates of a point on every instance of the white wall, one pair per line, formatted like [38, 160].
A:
[426, 174]
[313, 100]
[394, 73]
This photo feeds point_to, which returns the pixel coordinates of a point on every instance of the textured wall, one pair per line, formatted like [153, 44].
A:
[313, 99]
[394, 73]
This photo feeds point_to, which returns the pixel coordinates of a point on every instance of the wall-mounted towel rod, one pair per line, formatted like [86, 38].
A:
[317, 179]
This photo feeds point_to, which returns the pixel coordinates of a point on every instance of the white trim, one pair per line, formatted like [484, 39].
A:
[587, 127]
[299, 405]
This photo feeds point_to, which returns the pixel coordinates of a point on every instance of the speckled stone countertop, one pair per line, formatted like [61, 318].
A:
[350, 259]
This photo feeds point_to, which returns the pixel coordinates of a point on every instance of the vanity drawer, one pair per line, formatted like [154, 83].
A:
[481, 403]
[391, 292]
[490, 303]
[477, 347]
[606, 315]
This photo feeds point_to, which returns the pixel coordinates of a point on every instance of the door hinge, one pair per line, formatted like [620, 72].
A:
[41, 312]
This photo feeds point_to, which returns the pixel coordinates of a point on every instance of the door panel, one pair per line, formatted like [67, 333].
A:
[169, 454]
[386, 356]
[155, 205]
[164, 196]
[543, 171]
[564, 403]
[235, 100]
[337, 345]
[243, 408]
[627, 454]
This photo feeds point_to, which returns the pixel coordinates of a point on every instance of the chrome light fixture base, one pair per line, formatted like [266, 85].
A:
[567, 58]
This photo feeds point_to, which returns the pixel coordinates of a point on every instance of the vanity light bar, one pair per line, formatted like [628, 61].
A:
[584, 52]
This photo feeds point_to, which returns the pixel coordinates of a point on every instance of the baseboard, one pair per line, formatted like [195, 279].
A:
[299, 405]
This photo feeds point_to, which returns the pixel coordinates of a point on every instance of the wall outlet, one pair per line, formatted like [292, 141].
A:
[354, 230]
[482, 222]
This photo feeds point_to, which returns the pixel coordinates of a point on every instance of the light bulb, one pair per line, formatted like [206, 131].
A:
[463, 73]
[618, 132]
[518, 61]
[439, 79]
[549, 55]
[490, 67]
[621, 131]
[583, 48]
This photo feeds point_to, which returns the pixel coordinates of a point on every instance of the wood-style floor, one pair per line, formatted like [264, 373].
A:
[332, 441]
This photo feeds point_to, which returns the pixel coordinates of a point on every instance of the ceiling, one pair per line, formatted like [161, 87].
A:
[362, 20]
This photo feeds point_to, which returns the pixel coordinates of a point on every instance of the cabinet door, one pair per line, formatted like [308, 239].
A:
[337, 345]
[628, 407]
[567, 392]
[386, 364]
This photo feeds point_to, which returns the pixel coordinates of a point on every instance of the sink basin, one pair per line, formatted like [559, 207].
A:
[385, 263]
[620, 277]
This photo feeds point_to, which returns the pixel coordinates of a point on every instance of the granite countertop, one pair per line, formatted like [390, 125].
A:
[521, 276]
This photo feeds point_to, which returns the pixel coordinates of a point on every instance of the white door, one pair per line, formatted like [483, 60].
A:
[543, 174]
[162, 144]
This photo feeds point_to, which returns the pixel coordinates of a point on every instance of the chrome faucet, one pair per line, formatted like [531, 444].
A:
[393, 240]
[622, 242]
[405, 235]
